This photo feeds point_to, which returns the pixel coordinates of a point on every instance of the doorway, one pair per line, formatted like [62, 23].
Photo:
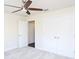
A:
[31, 33]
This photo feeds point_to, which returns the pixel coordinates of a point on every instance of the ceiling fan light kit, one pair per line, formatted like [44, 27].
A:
[45, 9]
[25, 7]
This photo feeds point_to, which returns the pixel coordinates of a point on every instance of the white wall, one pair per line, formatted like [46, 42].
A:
[11, 31]
[55, 31]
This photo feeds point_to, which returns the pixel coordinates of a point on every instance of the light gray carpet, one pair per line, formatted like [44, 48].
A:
[30, 53]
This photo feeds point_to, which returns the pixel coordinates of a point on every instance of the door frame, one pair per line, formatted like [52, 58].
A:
[28, 28]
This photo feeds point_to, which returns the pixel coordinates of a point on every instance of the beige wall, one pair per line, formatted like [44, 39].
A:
[11, 30]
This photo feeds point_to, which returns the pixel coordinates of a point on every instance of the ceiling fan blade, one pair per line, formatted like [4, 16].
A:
[36, 9]
[17, 10]
[28, 12]
[27, 4]
[11, 6]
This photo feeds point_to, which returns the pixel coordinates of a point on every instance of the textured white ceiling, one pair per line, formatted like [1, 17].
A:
[50, 4]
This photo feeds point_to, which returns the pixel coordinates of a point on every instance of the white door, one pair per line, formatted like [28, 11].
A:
[22, 34]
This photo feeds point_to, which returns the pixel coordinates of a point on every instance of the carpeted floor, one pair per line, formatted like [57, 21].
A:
[31, 53]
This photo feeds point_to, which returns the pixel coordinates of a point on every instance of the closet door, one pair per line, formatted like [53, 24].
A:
[22, 34]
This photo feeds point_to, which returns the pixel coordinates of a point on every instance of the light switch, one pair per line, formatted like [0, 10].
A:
[56, 37]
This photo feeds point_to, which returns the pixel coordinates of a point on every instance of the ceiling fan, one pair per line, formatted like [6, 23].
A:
[25, 6]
